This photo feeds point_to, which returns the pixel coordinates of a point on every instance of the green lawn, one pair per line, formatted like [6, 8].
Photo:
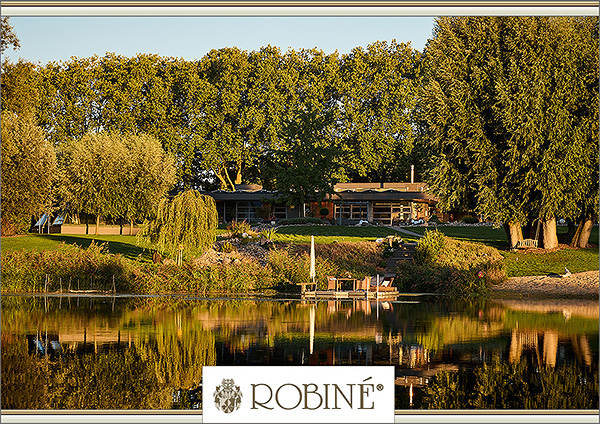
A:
[333, 233]
[576, 260]
[125, 245]
[495, 237]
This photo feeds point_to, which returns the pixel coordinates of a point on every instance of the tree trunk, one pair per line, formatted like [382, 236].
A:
[97, 224]
[549, 231]
[238, 174]
[130, 226]
[514, 233]
[582, 235]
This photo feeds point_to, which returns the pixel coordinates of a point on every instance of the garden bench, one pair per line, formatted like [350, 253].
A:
[525, 243]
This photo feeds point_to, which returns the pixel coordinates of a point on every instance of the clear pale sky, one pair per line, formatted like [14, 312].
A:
[45, 39]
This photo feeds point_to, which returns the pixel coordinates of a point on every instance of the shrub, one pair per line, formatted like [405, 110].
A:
[324, 211]
[468, 219]
[238, 228]
[190, 219]
[429, 247]
[305, 220]
[69, 265]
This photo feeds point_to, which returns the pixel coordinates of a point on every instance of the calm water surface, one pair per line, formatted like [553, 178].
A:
[147, 353]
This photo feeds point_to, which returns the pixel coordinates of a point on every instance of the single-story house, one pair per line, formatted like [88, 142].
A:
[383, 203]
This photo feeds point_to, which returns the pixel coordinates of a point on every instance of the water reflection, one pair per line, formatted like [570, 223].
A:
[148, 353]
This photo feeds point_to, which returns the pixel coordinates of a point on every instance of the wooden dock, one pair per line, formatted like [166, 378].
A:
[349, 294]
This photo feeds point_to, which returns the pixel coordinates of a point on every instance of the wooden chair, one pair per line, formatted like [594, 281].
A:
[363, 284]
[331, 283]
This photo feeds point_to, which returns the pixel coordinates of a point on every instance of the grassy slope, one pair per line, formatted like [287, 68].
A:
[126, 245]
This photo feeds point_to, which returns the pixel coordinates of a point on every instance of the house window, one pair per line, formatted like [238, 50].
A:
[389, 212]
[280, 212]
[246, 211]
[353, 211]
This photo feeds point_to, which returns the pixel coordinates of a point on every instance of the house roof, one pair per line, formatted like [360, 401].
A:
[346, 192]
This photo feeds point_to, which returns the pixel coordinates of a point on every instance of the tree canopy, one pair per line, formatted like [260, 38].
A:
[8, 38]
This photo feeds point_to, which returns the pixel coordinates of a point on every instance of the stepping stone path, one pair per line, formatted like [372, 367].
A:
[405, 252]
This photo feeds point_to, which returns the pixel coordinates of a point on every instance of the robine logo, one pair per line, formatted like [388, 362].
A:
[228, 396]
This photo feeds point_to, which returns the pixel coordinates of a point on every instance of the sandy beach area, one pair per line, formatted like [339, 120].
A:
[582, 284]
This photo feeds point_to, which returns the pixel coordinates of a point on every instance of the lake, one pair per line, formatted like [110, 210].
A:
[128, 352]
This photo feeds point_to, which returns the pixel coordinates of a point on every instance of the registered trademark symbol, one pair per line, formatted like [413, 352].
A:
[380, 387]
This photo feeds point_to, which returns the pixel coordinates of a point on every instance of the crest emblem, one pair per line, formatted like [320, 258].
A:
[228, 396]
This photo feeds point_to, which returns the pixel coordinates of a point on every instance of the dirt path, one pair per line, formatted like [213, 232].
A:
[582, 284]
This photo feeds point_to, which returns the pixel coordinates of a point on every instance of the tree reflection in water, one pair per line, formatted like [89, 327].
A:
[124, 353]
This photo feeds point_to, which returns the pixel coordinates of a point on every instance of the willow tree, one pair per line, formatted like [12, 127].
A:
[147, 174]
[510, 118]
[188, 221]
[111, 174]
[28, 172]
[91, 175]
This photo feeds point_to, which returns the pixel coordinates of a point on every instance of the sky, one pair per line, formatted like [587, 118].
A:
[46, 39]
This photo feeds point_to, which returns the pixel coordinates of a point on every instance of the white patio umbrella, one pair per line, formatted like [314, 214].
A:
[312, 273]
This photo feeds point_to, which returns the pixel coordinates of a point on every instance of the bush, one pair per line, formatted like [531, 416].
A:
[297, 221]
[190, 219]
[324, 211]
[444, 265]
[468, 219]
[70, 265]
[237, 228]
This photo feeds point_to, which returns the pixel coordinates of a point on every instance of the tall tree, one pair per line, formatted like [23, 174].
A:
[377, 95]
[20, 87]
[227, 134]
[28, 172]
[501, 102]
[306, 169]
